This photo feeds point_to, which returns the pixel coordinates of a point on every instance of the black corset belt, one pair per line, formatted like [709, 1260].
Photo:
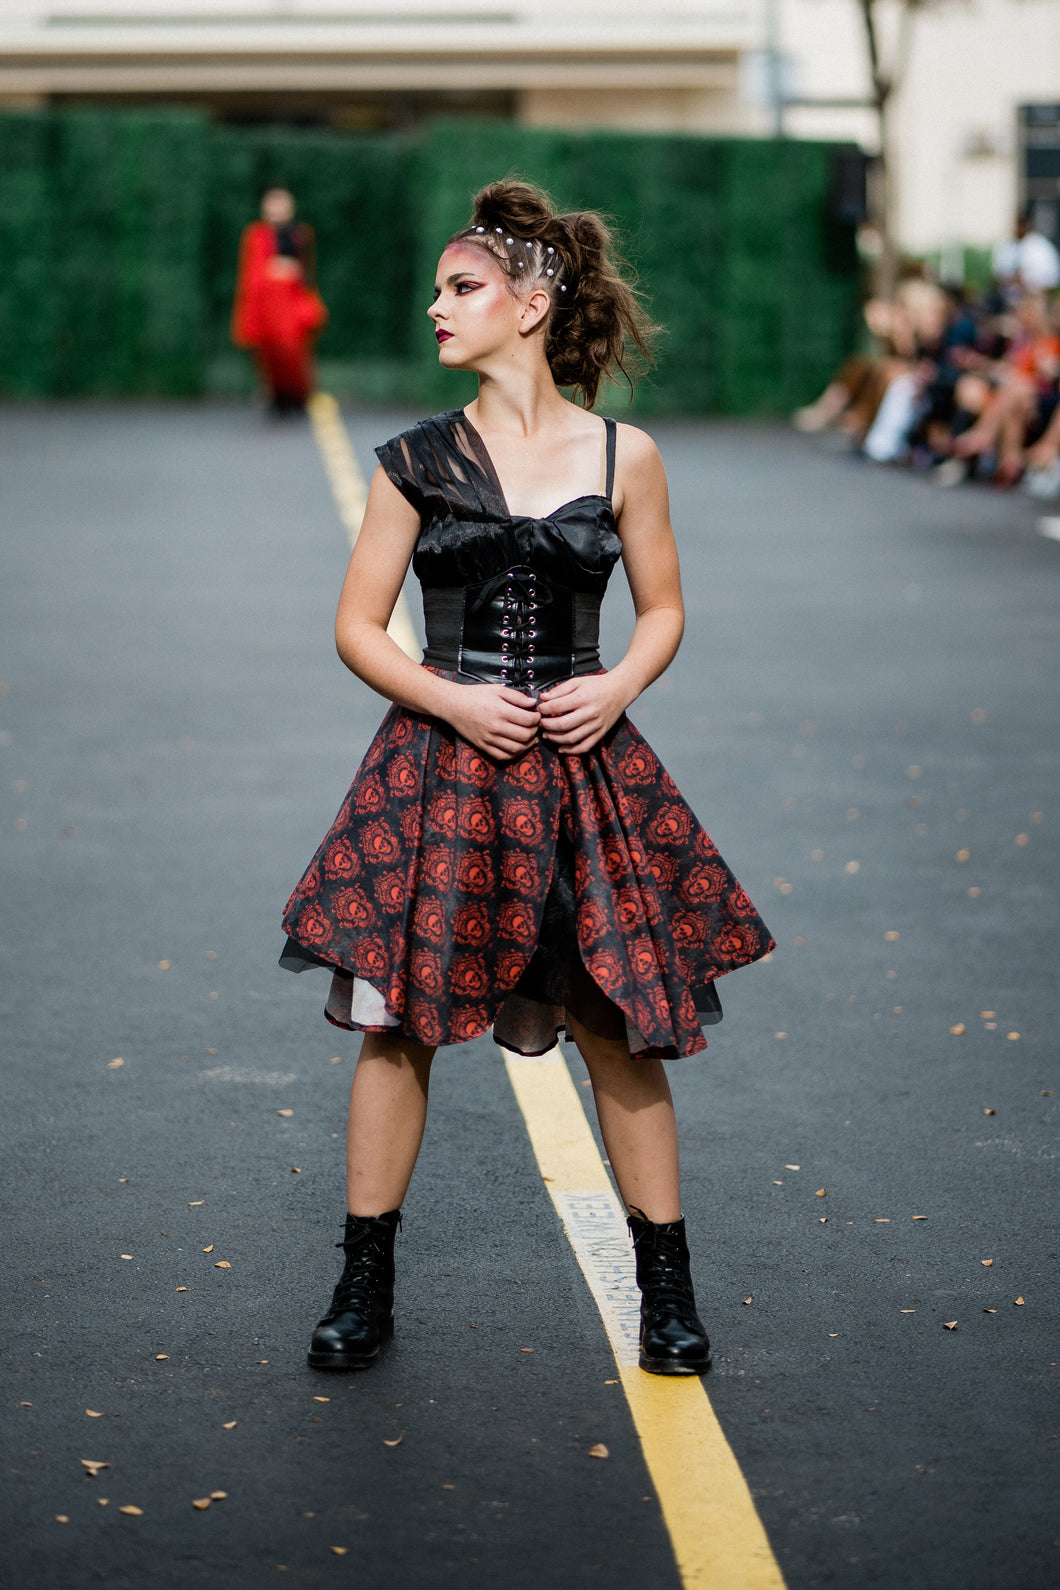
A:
[517, 628]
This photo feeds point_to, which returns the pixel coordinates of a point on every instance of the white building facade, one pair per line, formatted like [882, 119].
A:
[683, 66]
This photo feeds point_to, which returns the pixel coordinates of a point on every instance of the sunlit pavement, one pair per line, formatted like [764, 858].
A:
[864, 714]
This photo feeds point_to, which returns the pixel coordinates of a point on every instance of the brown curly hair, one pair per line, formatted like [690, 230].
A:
[596, 324]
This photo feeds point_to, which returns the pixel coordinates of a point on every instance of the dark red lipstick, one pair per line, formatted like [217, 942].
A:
[443, 336]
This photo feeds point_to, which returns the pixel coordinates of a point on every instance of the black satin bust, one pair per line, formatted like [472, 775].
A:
[507, 599]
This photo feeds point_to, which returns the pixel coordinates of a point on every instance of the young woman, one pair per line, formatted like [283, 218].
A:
[511, 853]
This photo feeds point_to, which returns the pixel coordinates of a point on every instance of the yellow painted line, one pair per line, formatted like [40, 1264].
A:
[351, 497]
[717, 1536]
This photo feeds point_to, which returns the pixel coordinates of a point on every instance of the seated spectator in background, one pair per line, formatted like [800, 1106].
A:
[278, 311]
[1027, 263]
[877, 400]
[1016, 400]
[956, 352]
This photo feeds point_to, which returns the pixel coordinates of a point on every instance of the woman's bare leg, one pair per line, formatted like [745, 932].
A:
[388, 1111]
[637, 1122]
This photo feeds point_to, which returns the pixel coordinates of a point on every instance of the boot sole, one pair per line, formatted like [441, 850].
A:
[343, 1361]
[673, 1366]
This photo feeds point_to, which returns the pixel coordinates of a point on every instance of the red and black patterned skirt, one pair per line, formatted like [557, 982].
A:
[454, 893]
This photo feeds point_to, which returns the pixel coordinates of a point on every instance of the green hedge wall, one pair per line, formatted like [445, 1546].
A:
[121, 230]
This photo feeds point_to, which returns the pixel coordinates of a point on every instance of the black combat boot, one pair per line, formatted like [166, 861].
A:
[361, 1316]
[672, 1338]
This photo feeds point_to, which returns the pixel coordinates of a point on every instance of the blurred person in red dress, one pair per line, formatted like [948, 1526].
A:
[277, 311]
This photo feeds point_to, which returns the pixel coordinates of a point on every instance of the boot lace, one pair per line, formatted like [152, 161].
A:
[364, 1272]
[664, 1279]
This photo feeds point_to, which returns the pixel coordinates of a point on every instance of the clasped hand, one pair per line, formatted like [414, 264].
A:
[573, 716]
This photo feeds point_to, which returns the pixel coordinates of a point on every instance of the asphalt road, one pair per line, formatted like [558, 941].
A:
[866, 695]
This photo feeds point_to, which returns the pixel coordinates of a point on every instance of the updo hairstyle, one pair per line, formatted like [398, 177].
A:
[596, 323]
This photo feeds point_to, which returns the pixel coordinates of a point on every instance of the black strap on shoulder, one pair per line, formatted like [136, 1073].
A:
[611, 429]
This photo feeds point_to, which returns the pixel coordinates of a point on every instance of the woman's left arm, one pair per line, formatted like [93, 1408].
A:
[578, 713]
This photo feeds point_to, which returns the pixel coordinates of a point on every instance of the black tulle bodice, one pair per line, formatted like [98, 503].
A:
[506, 598]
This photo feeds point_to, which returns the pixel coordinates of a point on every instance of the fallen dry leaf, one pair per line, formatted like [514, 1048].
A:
[892, 936]
[61, 1518]
[882, 1220]
[340, 1551]
[209, 1249]
[1023, 839]
[958, 1030]
[92, 1414]
[949, 1325]
[526, 1349]
[123, 1179]
[749, 1299]
[987, 1110]
[920, 1217]
[296, 1170]
[778, 1184]
[336, 1060]
[990, 1311]
[163, 966]
[182, 1289]
[218, 1496]
[25, 1404]
[988, 1015]
[201, 1503]
[822, 1192]
[833, 1335]
[395, 1442]
[792, 1167]
[1019, 1302]
[986, 1263]
[610, 1382]
[115, 1065]
[285, 1112]
[822, 1220]
[130, 1511]
[104, 1501]
[907, 1311]
[125, 1255]
[321, 1399]
[230, 1425]
[221, 1264]
[780, 1035]
[159, 1357]
[963, 855]
[852, 866]
[599, 1450]
[1012, 1035]
[93, 1465]
[195, 1203]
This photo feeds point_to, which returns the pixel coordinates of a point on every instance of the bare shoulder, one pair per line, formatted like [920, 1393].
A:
[640, 479]
[635, 446]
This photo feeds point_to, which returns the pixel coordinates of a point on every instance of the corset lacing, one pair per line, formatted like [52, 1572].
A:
[519, 630]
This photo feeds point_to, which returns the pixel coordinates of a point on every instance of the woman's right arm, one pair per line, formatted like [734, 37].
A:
[498, 721]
